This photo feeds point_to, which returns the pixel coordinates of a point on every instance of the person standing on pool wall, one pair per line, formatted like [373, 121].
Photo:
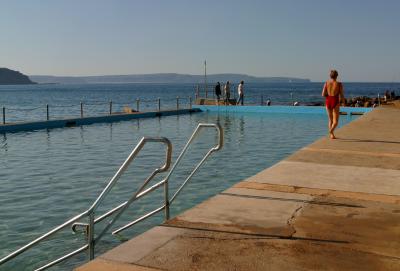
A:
[240, 93]
[333, 93]
[227, 90]
[218, 92]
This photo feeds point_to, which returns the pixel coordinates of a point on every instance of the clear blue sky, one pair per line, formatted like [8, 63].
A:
[360, 38]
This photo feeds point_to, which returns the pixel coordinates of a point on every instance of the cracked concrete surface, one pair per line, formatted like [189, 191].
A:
[291, 221]
[333, 205]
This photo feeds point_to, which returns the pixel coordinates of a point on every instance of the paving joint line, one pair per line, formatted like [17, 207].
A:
[294, 200]
[260, 235]
[392, 199]
[377, 154]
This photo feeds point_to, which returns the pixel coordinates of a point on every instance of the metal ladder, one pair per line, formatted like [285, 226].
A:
[92, 240]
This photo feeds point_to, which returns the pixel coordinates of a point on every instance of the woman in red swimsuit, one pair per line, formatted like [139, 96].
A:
[333, 93]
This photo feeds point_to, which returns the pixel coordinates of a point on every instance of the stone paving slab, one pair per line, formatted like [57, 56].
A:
[376, 132]
[367, 226]
[344, 178]
[327, 233]
[253, 212]
[210, 251]
[103, 265]
[131, 252]
[373, 226]
[347, 158]
[199, 250]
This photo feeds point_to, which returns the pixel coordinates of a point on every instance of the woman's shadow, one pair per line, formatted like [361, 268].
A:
[365, 140]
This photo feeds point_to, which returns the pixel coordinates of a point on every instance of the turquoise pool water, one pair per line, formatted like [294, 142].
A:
[49, 176]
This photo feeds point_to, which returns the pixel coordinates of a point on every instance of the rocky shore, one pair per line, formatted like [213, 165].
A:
[364, 101]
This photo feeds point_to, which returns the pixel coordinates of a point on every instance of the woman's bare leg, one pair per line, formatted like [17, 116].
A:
[335, 121]
[329, 112]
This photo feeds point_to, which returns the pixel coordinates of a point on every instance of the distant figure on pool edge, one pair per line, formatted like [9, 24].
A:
[333, 93]
[240, 93]
[227, 92]
[218, 92]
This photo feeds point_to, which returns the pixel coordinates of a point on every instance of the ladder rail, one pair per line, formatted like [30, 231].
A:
[130, 224]
[141, 192]
[90, 212]
[130, 201]
[217, 147]
[63, 258]
[115, 209]
[41, 238]
[168, 201]
[127, 162]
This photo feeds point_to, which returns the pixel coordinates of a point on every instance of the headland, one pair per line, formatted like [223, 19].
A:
[10, 77]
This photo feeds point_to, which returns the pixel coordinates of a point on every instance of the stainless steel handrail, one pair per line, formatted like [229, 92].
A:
[217, 147]
[89, 227]
[90, 212]
[168, 201]
[137, 195]
[214, 149]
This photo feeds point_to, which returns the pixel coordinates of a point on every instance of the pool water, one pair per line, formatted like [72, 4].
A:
[49, 176]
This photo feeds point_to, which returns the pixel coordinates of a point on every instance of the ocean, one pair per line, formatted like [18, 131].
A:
[28, 102]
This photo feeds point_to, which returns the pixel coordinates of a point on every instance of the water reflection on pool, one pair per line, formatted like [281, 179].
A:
[49, 176]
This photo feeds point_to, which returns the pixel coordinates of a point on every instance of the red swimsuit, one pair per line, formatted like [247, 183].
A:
[331, 101]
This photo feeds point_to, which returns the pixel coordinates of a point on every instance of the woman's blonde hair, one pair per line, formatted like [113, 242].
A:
[334, 74]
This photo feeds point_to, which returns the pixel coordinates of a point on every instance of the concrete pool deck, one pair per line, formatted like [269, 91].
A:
[333, 205]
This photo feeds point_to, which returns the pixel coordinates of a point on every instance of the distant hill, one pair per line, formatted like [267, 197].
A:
[172, 78]
[10, 77]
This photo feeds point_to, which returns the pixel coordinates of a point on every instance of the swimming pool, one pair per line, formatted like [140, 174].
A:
[50, 175]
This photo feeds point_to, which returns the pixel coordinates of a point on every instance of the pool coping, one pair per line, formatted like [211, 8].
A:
[115, 117]
[280, 109]
[71, 122]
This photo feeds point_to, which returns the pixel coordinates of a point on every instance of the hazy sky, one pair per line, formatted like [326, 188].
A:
[300, 38]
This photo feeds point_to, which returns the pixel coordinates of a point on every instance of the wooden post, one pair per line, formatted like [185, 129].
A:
[47, 112]
[205, 78]
[190, 102]
[159, 104]
[4, 115]
[177, 103]
[110, 107]
[81, 110]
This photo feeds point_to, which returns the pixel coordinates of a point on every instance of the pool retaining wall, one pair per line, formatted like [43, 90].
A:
[60, 123]
[279, 109]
